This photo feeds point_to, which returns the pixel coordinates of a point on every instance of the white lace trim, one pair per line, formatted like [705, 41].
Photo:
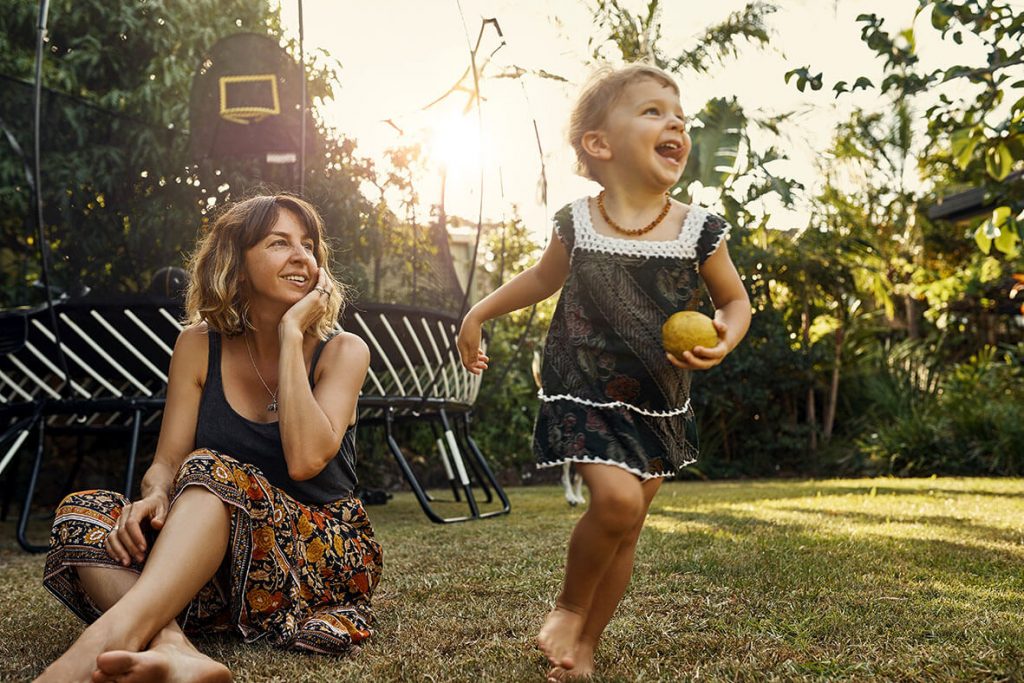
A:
[615, 404]
[684, 246]
[621, 465]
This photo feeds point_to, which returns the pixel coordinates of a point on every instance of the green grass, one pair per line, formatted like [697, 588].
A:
[815, 580]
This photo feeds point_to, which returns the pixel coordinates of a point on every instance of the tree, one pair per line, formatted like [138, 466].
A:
[122, 195]
[975, 112]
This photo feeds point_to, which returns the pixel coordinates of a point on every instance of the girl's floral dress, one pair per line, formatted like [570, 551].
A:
[608, 393]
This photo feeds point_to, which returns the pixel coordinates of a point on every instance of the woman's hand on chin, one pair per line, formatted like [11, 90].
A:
[307, 310]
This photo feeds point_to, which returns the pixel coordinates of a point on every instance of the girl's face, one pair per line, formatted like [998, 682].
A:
[281, 266]
[645, 134]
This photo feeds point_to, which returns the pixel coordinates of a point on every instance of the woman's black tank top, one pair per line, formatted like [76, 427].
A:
[221, 429]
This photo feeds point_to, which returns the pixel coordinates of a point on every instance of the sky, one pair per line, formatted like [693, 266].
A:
[397, 56]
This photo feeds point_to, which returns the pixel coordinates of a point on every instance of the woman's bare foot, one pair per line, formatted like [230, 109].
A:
[76, 664]
[558, 636]
[170, 659]
[583, 670]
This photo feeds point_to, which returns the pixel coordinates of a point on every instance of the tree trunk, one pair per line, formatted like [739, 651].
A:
[833, 392]
[812, 418]
[725, 437]
[913, 328]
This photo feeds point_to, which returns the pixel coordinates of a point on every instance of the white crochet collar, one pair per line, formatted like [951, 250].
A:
[684, 246]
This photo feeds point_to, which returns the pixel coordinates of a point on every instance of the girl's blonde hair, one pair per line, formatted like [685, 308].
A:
[600, 94]
[215, 293]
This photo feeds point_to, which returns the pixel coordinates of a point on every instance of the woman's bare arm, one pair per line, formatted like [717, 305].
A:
[313, 421]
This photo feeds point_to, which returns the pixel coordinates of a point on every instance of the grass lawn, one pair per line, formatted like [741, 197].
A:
[888, 579]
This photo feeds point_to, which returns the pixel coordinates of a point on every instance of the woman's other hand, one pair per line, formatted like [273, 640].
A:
[127, 539]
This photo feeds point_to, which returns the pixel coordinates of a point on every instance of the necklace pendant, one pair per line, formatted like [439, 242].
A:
[272, 406]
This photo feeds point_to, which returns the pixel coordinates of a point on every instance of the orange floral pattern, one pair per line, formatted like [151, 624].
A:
[300, 575]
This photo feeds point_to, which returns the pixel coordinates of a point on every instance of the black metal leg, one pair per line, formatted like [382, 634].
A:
[445, 460]
[16, 433]
[129, 472]
[472, 463]
[453, 447]
[506, 507]
[410, 476]
[7, 484]
[26, 506]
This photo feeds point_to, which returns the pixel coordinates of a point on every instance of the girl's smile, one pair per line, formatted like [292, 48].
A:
[645, 136]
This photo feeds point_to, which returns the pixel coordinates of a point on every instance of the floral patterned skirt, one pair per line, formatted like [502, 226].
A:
[299, 575]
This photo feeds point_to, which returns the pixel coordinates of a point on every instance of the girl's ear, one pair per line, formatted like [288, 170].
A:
[595, 144]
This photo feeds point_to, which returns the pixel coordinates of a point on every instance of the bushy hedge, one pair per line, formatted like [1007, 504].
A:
[971, 422]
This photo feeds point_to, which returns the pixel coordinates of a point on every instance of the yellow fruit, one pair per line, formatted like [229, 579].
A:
[687, 329]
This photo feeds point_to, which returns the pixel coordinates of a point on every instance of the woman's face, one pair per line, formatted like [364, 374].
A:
[281, 266]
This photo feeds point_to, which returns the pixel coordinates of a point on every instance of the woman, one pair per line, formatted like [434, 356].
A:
[246, 519]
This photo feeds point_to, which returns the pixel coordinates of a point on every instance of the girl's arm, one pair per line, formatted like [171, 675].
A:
[533, 285]
[732, 311]
[177, 439]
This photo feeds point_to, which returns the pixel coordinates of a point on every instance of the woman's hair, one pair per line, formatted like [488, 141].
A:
[600, 94]
[215, 294]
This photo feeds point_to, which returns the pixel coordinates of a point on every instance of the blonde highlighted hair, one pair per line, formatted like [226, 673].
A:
[602, 91]
[215, 294]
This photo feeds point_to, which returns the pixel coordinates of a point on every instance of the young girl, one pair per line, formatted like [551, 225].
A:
[251, 485]
[612, 400]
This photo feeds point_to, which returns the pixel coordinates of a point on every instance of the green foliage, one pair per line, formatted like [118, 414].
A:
[636, 36]
[968, 420]
[122, 195]
[975, 130]
[749, 407]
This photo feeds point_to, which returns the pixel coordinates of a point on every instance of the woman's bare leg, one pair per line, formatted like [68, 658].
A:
[616, 507]
[171, 656]
[608, 594]
[186, 554]
[106, 585]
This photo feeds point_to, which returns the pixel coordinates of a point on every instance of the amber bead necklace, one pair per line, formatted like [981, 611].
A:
[634, 231]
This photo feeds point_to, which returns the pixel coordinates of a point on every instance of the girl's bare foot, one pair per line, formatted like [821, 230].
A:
[583, 670]
[170, 659]
[558, 636]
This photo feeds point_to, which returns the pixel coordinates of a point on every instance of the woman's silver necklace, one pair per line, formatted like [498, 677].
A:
[272, 406]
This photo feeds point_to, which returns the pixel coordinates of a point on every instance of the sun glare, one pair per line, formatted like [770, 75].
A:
[454, 143]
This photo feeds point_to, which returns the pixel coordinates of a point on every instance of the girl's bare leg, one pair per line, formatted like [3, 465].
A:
[607, 596]
[186, 554]
[616, 507]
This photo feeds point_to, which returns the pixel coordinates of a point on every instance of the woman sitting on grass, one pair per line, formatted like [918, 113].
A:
[246, 520]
